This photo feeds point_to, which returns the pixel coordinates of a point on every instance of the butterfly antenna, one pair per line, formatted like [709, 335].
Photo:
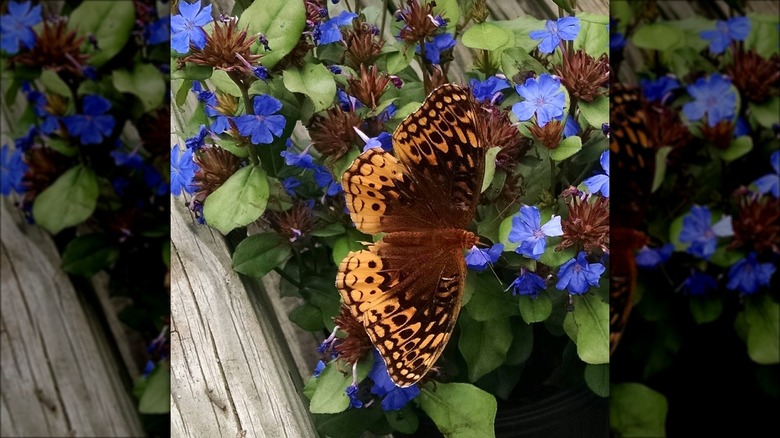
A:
[490, 265]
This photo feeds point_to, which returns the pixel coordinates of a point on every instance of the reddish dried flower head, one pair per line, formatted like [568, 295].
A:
[369, 87]
[56, 48]
[758, 223]
[227, 104]
[434, 79]
[296, 57]
[665, 128]
[584, 76]
[294, 223]
[498, 131]
[222, 47]
[216, 166]
[587, 225]
[419, 21]
[363, 44]
[44, 166]
[550, 135]
[720, 135]
[233, 132]
[154, 128]
[357, 343]
[756, 77]
[332, 134]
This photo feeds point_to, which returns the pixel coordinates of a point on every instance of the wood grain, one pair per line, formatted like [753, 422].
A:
[59, 375]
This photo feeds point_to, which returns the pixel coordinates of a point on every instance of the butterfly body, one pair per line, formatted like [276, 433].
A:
[406, 289]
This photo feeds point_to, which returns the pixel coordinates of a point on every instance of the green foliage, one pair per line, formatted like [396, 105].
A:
[145, 82]
[69, 201]
[88, 254]
[259, 254]
[460, 410]
[239, 201]
[281, 21]
[110, 22]
[637, 411]
[156, 395]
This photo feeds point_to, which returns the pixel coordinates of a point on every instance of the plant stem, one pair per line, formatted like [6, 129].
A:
[552, 172]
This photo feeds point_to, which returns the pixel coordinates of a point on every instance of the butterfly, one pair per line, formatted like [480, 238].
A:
[406, 289]
[632, 161]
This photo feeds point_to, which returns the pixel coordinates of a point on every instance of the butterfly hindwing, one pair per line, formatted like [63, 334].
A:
[409, 313]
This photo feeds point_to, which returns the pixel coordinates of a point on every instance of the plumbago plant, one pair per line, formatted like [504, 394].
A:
[85, 91]
[711, 96]
[290, 92]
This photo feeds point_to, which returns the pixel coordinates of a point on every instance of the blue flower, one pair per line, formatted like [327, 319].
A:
[393, 397]
[158, 31]
[290, 184]
[260, 72]
[477, 259]
[26, 141]
[702, 237]
[319, 368]
[600, 182]
[734, 29]
[747, 275]
[698, 283]
[183, 169]
[17, 26]
[616, 39]
[126, 159]
[347, 102]
[352, 393]
[770, 183]
[434, 48]
[488, 89]
[577, 275]
[329, 32]
[571, 127]
[197, 141]
[324, 179]
[50, 122]
[659, 89]
[383, 141]
[12, 170]
[263, 125]
[527, 229]
[565, 28]
[650, 258]
[292, 158]
[742, 127]
[543, 97]
[187, 27]
[93, 125]
[714, 97]
[528, 283]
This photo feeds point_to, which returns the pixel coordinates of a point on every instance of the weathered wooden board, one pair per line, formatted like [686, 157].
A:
[59, 374]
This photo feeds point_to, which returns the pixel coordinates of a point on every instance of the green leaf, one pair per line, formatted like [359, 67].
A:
[307, 317]
[588, 327]
[763, 36]
[69, 201]
[183, 91]
[553, 258]
[658, 36]
[404, 420]
[490, 166]
[522, 343]
[660, 166]
[239, 201]
[329, 230]
[398, 60]
[86, 255]
[484, 344]
[503, 234]
[597, 378]
[593, 36]
[351, 241]
[516, 60]
[281, 21]
[54, 84]
[535, 309]
[489, 301]
[110, 22]
[637, 411]
[450, 10]
[738, 148]
[145, 82]
[762, 319]
[486, 36]
[595, 112]
[460, 410]
[521, 27]
[259, 254]
[767, 112]
[566, 148]
[315, 81]
[156, 398]
[705, 309]
[223, 83]
[329, 396]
